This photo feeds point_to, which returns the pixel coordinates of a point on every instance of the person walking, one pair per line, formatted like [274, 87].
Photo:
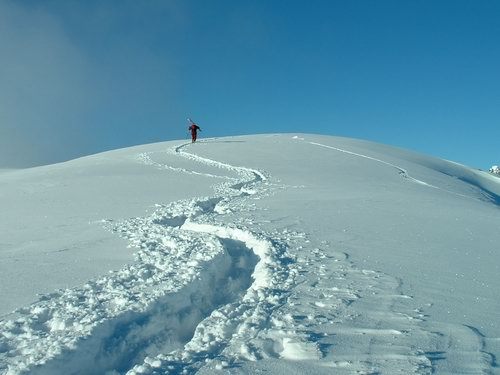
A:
[194, 131]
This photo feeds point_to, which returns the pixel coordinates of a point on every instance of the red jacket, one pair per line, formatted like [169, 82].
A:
[194, 128]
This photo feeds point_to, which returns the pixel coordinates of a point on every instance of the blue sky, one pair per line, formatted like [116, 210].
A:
[79, 77]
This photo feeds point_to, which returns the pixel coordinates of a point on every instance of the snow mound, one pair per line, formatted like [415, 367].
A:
[252, 254]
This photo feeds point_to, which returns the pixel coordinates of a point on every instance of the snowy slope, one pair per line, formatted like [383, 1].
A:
[273, 253]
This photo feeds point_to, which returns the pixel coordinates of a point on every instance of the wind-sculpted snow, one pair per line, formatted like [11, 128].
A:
[214, 287]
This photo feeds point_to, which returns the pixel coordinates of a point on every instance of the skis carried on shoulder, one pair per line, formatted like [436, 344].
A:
[194, 129]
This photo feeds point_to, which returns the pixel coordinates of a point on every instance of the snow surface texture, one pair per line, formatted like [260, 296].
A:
[312, 255]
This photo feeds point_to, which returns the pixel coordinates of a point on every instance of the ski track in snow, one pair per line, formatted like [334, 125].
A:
[193, 285]
[146, 158]
[402, 171]
[204, 293]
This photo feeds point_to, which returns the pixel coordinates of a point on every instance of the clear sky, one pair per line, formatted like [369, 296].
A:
[79, 77]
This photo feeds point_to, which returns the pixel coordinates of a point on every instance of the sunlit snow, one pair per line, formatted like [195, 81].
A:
[284, 254]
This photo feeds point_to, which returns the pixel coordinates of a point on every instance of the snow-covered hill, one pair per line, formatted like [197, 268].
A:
[273, 253]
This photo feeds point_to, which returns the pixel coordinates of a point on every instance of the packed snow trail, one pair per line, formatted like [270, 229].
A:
[149, 306]
[264, 326]
[183, 274]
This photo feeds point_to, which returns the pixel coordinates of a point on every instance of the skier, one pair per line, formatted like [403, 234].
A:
[194, 130]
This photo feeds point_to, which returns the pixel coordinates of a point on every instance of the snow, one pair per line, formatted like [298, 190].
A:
[287, 254]
[495, 169]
